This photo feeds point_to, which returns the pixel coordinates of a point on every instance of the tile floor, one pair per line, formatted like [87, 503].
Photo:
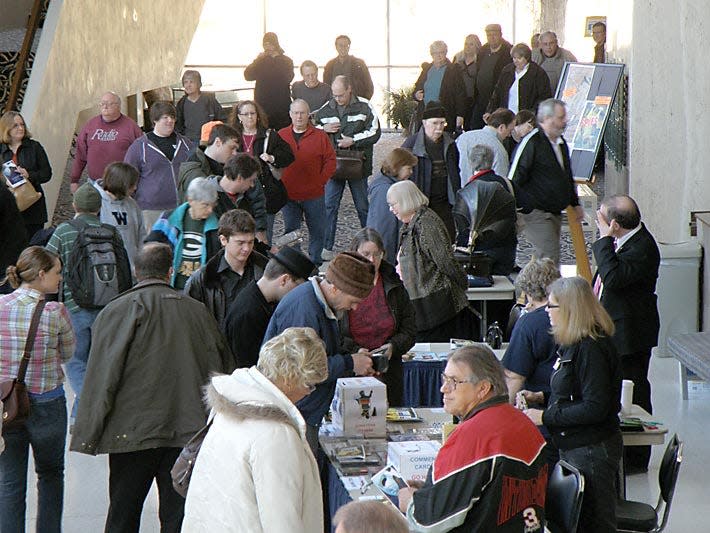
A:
[86, 495]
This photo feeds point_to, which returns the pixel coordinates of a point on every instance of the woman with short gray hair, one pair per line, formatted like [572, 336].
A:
[436, 283]
[191, 230]
[255, 471]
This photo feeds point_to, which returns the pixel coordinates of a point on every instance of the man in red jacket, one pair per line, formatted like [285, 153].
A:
[306, 177]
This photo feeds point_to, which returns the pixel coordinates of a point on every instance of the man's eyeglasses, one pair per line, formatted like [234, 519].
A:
[452, 383]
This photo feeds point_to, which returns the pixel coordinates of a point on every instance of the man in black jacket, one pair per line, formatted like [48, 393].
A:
[492, 57]
[218, 283]
[627, 260]
[249, 314]
[542, 177]
[352, 67]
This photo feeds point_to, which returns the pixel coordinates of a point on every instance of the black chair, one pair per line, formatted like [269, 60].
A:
[563, 502]
[637, 516]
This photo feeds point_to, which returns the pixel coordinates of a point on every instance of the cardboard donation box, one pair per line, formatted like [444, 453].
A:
[412, 459]
[360, 407]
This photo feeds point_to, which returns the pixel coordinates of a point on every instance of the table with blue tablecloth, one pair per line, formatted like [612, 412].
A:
[422, 379]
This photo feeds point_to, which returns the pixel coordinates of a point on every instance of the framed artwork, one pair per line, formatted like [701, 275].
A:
[591, 21]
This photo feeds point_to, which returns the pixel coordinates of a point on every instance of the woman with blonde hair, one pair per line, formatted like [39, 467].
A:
[28, 158]
[37, 273]
[255, 471]
[583, 406]
[436, 283]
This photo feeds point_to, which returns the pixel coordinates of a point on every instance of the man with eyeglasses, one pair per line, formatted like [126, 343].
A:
[490, 474]
[351, 123]
[104, 139]
[437, 170]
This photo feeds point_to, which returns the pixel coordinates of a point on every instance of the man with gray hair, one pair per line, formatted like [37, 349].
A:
[104, 139]
[500, 123]
[497, 239]
[542, 176]
[552, 57]
[191, 230]
[491, 473]
[369, 517]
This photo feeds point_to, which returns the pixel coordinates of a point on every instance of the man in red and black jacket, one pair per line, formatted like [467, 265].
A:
[491, 474]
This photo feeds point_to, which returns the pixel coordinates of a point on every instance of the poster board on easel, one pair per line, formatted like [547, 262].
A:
[589, 90]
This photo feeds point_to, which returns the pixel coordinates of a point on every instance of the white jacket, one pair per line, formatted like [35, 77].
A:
[255, 471]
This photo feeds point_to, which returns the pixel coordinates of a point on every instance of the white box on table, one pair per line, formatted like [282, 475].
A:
[412, 459]
[360, 407]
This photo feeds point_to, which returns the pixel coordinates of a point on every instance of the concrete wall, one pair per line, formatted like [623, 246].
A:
[89, 47]
[670, 88]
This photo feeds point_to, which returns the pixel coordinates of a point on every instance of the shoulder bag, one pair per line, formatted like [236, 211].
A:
[275, 191]
[185, 463]
[349, 164]
[13, 393]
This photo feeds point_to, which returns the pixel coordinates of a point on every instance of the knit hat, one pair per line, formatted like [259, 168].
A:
[297, 264]
[434, 110]
[351, 273]
[87, 199]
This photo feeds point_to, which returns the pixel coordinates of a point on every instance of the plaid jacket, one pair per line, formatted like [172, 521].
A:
[54, 343]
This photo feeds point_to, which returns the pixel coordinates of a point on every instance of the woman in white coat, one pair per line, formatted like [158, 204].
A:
[255, 471]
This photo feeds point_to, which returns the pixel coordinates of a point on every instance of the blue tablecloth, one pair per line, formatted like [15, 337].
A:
[422, 381]
[337, 495]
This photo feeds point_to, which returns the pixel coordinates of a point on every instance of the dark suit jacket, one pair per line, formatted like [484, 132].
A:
[629, 294]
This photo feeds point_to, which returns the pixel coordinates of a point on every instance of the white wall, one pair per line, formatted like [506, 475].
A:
[88, 47]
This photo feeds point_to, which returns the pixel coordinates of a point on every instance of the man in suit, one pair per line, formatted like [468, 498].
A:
[627, 260]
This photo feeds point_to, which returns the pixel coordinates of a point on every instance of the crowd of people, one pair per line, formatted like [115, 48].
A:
[169, 279]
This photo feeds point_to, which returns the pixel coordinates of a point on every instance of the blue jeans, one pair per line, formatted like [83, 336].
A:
[333, 194]
[314, 213]
[599, 463]
[46, 431]
[82, 321]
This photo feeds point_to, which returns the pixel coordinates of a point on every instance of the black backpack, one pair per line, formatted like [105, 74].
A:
[98, 269]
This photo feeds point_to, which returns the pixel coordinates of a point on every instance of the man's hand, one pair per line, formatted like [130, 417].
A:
[579, 211]
[73, 187]
[267, 158]
[486, 116]
[535, 415]
[533, 398]
[345, 142]
[261, 235]
[603, 225]
[362, 365]
[405, 495]
[331, 127]
[419, 95]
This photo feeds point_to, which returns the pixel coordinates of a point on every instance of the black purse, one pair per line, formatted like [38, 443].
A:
[275, 191]
[478, 267]
[349, 164]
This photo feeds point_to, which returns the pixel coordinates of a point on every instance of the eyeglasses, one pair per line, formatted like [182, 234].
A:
[552, 306]
[249, 114]
[452, 383]
[108, 104]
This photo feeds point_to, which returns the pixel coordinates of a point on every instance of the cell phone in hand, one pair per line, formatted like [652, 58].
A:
[520, 401]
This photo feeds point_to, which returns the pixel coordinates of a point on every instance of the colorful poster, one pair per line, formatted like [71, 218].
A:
[574, 93]
[589, 127]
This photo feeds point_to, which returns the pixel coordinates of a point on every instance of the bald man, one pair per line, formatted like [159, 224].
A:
[104, 139]
[627, 260]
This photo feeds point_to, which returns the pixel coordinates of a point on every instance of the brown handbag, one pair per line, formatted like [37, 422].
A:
[181, 472]
[349, 164]
[13, 393]
[25, 195]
